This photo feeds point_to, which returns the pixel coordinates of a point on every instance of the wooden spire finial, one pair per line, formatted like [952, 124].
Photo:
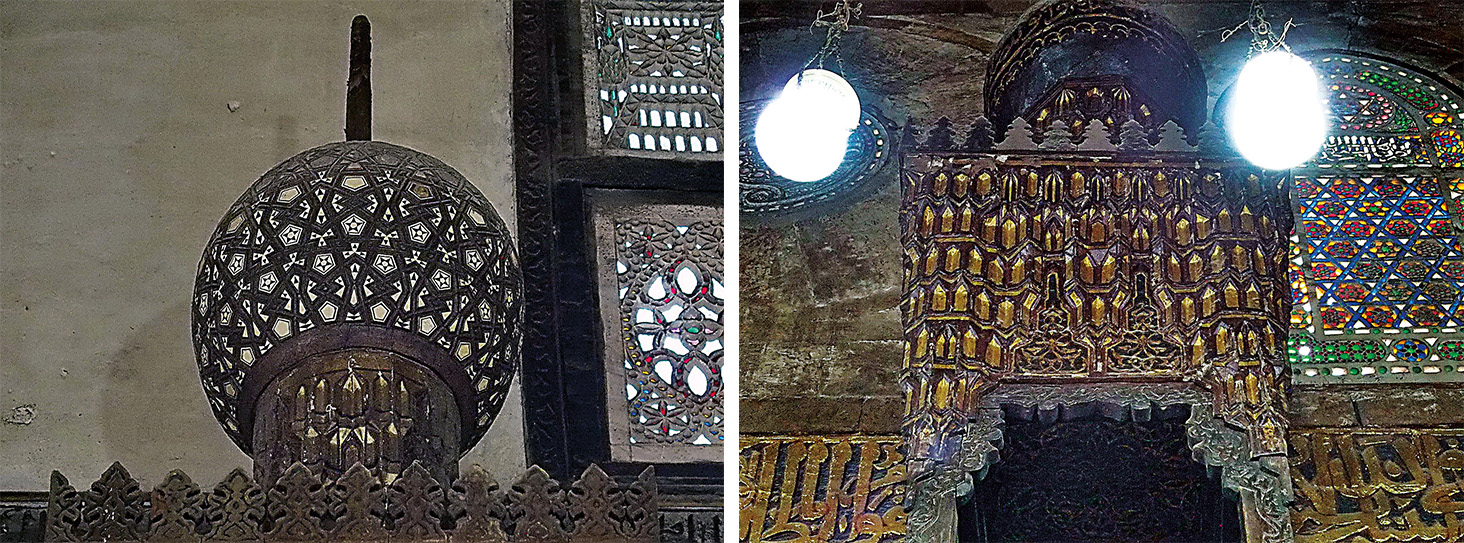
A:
[358, 82]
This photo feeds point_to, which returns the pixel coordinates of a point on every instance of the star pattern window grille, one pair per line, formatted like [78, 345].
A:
[1376, 266]
[664, 372]
[653, 78]
[359, 232]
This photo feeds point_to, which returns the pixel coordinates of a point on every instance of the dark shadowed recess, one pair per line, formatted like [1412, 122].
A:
[1099, 480]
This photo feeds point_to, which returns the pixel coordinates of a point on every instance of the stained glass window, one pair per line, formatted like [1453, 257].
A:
[653, 77]
[662, 297]
[1376, 264]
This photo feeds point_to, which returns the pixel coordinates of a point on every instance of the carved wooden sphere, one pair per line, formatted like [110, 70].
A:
[352, 245]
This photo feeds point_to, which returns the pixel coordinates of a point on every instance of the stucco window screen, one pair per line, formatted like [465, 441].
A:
[662, 295]
[653, 78]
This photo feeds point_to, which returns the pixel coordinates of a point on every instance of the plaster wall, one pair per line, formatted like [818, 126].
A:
[119, 152]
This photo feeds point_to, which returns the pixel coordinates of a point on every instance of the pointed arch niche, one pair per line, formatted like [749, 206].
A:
[1376, 264]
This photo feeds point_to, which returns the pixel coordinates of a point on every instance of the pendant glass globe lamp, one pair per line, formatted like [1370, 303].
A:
[803, 134]
[1276, 117]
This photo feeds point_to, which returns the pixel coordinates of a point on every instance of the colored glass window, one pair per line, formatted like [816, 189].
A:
[1376, 266]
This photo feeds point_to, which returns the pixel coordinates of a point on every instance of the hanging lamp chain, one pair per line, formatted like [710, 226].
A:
[836, 21]
[1264, 39]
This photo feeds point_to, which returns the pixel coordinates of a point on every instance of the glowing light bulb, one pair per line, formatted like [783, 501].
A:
[827, 96]
[798, 147]
[1277, 117]
[803, 134]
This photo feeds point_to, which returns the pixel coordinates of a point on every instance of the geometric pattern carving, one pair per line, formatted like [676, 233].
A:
[416, 507]
[537, 509]
[1377, 485]
[357, 506]
[359, 233]
[590, 500]
[634, 509]
[235, 509]
[665, 331]
[602, 511]
[177, 512]
[114, 508]
[63, 510]
[822, 489]
[476, 508]
[297, 506]
[1376, 268]
[300, 507]
[653, 77]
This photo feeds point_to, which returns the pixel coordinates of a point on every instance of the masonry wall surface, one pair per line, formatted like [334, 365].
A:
[126, 130]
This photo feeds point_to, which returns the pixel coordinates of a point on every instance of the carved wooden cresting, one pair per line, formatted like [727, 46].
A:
[1083, 265]
[357, 506]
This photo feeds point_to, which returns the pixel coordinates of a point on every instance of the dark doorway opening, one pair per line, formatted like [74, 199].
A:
[1094, 479]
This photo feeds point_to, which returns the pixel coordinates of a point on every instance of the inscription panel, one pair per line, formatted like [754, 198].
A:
[822, 489]
[1378, 485]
